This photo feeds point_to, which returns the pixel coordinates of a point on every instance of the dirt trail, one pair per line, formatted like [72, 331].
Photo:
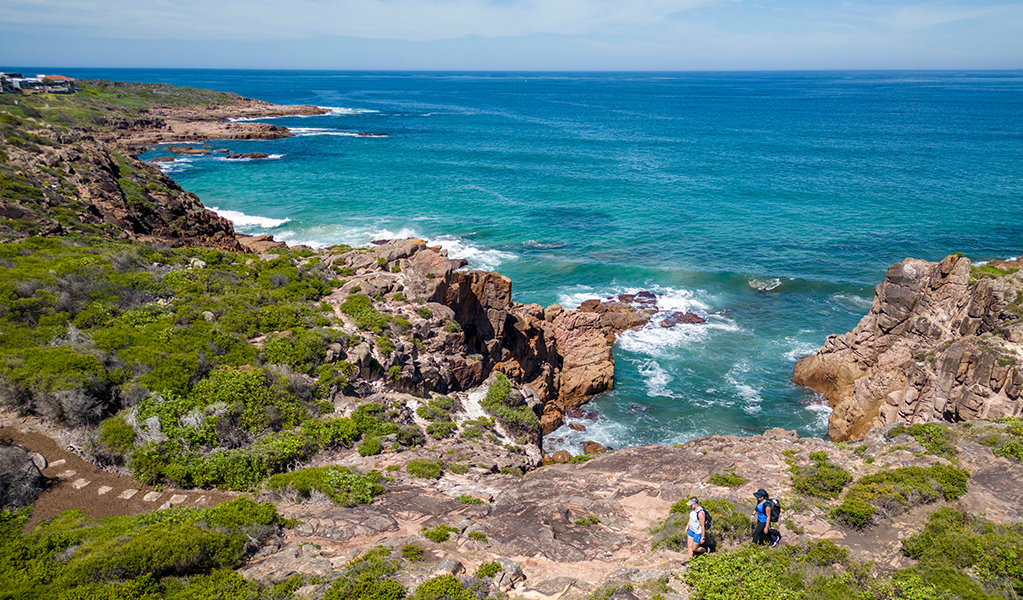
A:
[78, 484]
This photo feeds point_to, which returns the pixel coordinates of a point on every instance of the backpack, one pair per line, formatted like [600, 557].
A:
[775, 510]
[708, 521]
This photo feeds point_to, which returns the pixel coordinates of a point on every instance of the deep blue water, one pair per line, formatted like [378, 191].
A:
[770, 203]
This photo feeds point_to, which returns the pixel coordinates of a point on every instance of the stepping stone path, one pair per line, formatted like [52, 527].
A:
[128, 493]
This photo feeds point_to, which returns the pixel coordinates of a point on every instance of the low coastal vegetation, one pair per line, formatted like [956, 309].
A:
[174, 553]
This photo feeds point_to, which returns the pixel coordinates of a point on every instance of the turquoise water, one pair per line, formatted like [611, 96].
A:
[770, 203]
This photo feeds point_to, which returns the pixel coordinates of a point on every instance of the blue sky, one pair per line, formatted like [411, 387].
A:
[681, 35]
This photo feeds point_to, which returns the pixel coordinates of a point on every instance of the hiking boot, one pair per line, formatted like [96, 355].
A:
[775, 541]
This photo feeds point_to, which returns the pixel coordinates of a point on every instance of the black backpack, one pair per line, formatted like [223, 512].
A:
[775, 510]
[708, 521]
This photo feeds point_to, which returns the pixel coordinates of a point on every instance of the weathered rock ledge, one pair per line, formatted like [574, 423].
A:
[539, 521]
[939, 343]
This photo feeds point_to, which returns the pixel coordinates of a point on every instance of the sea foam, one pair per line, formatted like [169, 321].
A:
[484, 259]
[243, 220]
[311, 131]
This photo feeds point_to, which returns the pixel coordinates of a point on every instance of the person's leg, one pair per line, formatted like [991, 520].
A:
[760, 533]
[693, 541]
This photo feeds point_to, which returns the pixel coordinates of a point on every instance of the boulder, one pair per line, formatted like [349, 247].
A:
[20, 478]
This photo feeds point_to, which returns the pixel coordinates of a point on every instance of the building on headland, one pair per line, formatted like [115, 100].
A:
[14, 83]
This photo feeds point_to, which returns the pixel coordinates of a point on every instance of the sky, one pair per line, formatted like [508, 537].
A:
[534, 35]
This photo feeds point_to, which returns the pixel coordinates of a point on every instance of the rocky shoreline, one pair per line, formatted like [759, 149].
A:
[942, 342]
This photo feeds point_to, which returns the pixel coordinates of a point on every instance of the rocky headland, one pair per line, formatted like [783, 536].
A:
[942, 342]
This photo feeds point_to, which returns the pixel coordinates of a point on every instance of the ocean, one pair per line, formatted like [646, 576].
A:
[769, 203]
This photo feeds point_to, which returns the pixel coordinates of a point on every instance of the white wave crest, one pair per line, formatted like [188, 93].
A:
[822, 413]
[175, 166]
[241, 219]
[656, 378]
[602, 430]
[267, 157]
[852, 302]
[749, 394]
[310, 131]
[764, 284]
[799, 350]
[484, 259]
[345, 111]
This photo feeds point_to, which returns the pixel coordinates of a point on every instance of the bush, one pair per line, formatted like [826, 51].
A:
[855, 514]
[116, 434]
[479, 536]
[729, 479]
[368, 578]
[370, 447]
[425, 469]
[973, 545]
[412, 553]
[440, 533]
[424, 312]
[518, 419]
[488, 569]
[72, 557]
[370, 417]
[822, 479]
[367, 318]
[749, 573]
[469, 499]
[443, 587]
[341, 485]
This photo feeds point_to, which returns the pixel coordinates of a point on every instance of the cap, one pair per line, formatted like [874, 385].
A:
[761, 493]
[692, 501]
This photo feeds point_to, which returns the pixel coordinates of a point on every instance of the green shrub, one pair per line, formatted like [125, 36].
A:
[331, 433]
[368, 578]
[425, 469]
[412, 552]
[749, 573]
[370, 447]
[973, 545]
[822, 479]
[452, 327]
[441, 430]
[729, 479]
[424, 312]
[367, 318]
[518, 419]
[394, 373]
[370, 418]
[469, 499]
[440, 533]
[855, 514]
[72, 557]
[479, 536]
[443, 587]
[936, 439]
[340, 484]
[488, 569]
[116, 434]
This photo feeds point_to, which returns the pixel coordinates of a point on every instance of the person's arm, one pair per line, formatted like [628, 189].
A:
[702, 516]
[767, 513]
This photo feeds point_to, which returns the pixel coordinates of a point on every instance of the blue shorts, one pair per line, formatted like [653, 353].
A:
[696, 537]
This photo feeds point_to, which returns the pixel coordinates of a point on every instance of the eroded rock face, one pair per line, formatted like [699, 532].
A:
[937, 344]
[85, 186]
[557, 359]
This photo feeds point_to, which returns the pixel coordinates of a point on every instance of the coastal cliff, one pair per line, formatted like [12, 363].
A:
[942, 341]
